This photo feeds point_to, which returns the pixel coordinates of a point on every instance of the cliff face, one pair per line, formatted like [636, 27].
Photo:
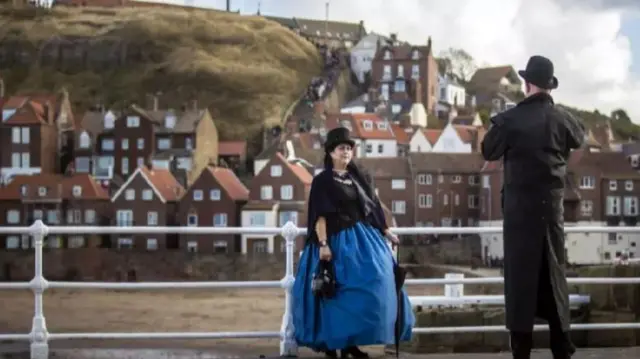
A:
[244, 69]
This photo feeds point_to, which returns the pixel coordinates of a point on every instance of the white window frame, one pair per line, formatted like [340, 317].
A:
[286, 192]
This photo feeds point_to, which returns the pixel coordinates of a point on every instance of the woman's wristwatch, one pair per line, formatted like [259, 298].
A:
[323, 243]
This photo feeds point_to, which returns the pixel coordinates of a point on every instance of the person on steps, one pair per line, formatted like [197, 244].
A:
[346, 227]
[535, 139]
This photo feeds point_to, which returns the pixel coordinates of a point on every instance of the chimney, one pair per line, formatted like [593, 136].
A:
[394, 39]
[429, 45]
[417, 91]
[228, 5]
[1, 88]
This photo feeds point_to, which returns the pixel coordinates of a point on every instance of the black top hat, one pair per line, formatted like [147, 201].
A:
[539, 72]
[337, 136]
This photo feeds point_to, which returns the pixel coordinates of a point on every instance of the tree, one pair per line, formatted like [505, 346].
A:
[620, 115]
[460, 64]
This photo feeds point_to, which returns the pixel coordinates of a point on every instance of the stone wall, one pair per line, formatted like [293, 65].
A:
[98, 264]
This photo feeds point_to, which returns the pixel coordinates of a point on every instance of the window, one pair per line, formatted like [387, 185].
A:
[287, 216]
[188, 143]
[192, 247]
[90, 216]
[125, 166]
[15, 135]
[473, 180]
[422, 179]
[42, 191]
[25, 159]
[387, 55]
[369, 148]
[140, 143]
[613, 206]
[440, 178]
[109, 120]
[220, 247]
[259, 247]
[164, 144]
[456, 179]
[77, 191]
[169, 121]
[108, 144]
[125, 243]
[384, 91]
[628, 185]
[415, 55]
[124, 218]
[613, 185]
[587, 182]
[276, 171]
[192, 220]
[83, 164]
[398, 207]
[456, 200]
[400, 86]
[415, 72]
[257, 219]
[586, 208]
[133, 121]
[631, 206]
[368, 125]
[425, 201]
[445, 199]
[152, 218]
[140, 162]
[15, 160]
[147, 195]
[197, 195]
[266, 192]
[485, 181]
[76, 242]
[220, 220]
[152, 244]
[286, 192]
[13, 216]
[398, 184]
[214, 194]
[472, 201]
[130, 194]
[52, 217]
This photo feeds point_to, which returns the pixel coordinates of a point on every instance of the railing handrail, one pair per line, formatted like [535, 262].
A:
[39, 336]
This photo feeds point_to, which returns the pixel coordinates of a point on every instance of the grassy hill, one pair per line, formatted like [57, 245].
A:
[245, 69]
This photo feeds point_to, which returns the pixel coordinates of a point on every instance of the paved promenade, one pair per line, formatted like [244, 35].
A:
[131, 353]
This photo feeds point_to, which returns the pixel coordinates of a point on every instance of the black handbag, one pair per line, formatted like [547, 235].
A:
[324, 283]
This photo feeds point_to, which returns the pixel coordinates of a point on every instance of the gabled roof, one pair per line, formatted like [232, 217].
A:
[229, 183]
[300, 172]
[31, 113]
[161, 181]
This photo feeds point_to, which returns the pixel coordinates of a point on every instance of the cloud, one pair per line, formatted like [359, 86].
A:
[582, 38]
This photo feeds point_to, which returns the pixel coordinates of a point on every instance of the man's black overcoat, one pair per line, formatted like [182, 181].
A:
[534, 139]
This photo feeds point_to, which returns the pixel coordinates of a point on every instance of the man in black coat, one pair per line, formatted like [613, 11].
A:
[535, 139]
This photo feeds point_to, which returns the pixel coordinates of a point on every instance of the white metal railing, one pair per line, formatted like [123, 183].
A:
[39, 337]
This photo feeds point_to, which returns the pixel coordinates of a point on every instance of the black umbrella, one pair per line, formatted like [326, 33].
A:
[399, 274]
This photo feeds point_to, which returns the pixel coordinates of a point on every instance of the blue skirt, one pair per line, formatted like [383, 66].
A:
[365, 308]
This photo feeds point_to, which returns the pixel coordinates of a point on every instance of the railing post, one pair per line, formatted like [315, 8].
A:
[454, 290]
[39, 334]
[288, 346]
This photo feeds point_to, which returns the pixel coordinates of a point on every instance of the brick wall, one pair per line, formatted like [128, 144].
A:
[98, 264]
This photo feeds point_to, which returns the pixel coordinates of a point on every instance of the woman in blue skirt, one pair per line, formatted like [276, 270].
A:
[346, 227]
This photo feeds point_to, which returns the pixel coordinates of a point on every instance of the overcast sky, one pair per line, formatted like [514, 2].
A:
[595, 44]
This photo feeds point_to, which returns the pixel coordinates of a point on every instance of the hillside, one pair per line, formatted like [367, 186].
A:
[245, 69]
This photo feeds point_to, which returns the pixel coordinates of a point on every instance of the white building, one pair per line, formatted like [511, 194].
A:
[362, 54]
[450, 93]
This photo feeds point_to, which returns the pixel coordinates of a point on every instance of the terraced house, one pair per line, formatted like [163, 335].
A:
[112, 145]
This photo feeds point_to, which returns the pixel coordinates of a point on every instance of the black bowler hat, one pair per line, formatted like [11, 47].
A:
[539, 72]
[336, 137]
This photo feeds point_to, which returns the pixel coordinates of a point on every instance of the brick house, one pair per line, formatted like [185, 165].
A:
[495, 88]
[148, 198]
[214, 200]
[601, 189]
[74, 199]
[277, 194]
[396, 68]
[34, 135]
[394, 184]
[447, 188]
[233, 154]
[182, 142]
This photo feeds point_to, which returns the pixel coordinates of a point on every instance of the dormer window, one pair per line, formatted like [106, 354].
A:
[415, 55]
[77, 191]
[84, 140]
[42, 191]
[387, 55]
[109, 119]
[367, 125]
[382, 125]
[24, 190]
[170, 121]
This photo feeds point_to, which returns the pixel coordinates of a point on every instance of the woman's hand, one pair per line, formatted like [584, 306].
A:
[391, 237]
[325, 252]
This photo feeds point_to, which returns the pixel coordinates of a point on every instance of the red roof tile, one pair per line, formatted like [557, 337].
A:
[164, 182]
[232, 148]
[230, 183]
[58, 187]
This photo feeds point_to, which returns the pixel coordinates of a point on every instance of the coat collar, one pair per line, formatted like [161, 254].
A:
[539, 97]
